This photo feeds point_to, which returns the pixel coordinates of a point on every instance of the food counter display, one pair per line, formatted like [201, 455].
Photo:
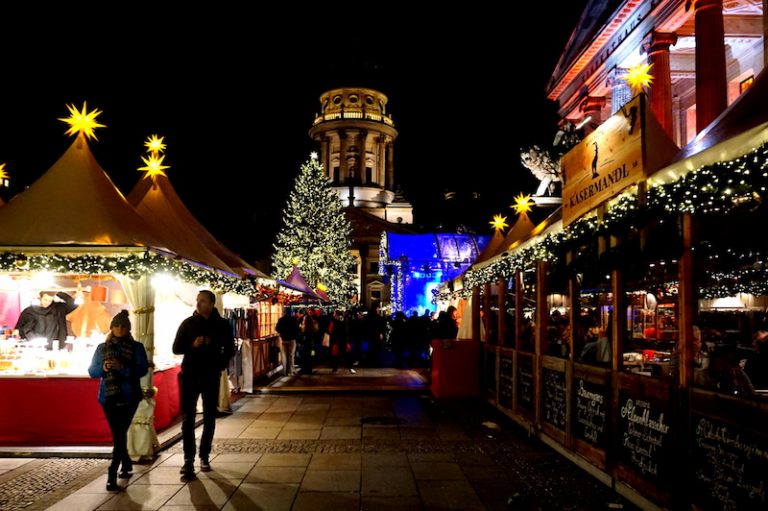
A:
[60, 409]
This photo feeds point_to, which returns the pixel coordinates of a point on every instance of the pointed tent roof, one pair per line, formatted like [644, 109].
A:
[74, 203]
[522, 227]
[156, 201]
[491, 248]
[297, 282]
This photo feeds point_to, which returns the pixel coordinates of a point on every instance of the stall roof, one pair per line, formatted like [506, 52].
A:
[74, 203]
[741, 127]
[297, 282]
[156, 201]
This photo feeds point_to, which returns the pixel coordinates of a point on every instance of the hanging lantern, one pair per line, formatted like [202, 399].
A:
[98, 293]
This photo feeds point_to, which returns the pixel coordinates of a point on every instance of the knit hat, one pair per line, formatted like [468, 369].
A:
[121, 319]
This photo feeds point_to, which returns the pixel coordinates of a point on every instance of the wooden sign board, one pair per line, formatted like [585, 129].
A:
[603, 164]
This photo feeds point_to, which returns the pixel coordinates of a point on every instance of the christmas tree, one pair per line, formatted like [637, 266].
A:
[315, 235]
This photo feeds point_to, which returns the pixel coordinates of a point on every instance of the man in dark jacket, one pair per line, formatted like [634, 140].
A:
[205, 339]
[288, 328]
[47, 320]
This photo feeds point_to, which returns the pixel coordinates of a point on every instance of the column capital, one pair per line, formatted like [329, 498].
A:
[658, 41]
[592, 103]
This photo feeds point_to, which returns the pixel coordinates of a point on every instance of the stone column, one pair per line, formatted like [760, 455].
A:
[325, 157]
[390, 165]
[620, 91]
[711, 78]
[656, 45]
[343, 144]
[592, 106]
[362, 139]
[380, 156]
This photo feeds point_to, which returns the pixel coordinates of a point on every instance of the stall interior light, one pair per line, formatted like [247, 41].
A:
[42, 280]
[163, 281]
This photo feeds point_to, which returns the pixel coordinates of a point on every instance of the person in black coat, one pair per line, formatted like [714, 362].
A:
[120, 362]
[47, 320]
[205, 339]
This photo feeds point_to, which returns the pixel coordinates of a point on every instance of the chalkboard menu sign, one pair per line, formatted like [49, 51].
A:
[489, 372]
[730, 466]
[590, 412]
[525, 383]
[553, 398]
[645, 435]
[505, 381]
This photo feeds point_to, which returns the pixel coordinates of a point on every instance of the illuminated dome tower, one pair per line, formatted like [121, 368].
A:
[356, 138]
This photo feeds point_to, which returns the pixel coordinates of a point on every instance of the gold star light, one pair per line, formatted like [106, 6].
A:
[4, 173]
[153, 165]
[639, 77]
[82, 122]
[155, 144]
[499, 222]
[522, 204]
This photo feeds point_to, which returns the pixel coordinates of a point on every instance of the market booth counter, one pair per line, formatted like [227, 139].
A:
[62, 410]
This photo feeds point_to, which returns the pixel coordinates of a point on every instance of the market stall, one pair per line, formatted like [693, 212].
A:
[74, 234]
[640, 312]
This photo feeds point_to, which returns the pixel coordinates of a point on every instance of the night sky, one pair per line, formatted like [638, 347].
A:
[235, 102]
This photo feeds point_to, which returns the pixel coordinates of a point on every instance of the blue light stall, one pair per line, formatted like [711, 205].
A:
[416, 264]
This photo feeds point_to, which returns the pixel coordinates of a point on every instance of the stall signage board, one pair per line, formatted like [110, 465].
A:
[525, 383]
[591, 405]
[730, 466]
[505, 381]
[645, 435]
[608, 160]
[554, 398]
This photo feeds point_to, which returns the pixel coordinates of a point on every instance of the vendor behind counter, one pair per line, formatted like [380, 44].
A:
[47, 320]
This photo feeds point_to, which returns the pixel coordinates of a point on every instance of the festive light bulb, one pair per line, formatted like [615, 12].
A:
[3, 173]
[82, 121]
[313, 155]
[153, 165]
[155, 144]
[522, 204]
[638, 77]
[499, 222]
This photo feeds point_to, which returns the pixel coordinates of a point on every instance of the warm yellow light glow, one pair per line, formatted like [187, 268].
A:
[322, 287]
[499, 222]
[4, 173]
[155, 144]
[313, 155]
[82, 122]
[154, 165]
[639, 77]
[522, 204]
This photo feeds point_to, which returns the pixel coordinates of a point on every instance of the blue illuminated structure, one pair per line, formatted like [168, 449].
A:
[416, 264]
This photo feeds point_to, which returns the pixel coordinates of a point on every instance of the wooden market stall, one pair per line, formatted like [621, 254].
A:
[619, 356]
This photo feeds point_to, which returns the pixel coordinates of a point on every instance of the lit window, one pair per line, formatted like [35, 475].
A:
[746, 84]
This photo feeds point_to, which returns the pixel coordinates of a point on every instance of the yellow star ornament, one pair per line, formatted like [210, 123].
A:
[82, 121]
[639, 77]
[4, 173]
[153, 166]
[499, 222]
[522, 204]
[154, 144]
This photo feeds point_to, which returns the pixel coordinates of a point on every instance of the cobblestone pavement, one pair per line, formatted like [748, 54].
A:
[312, 452]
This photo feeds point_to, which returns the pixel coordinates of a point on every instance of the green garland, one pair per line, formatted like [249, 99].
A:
[719, 188]
[135, 267]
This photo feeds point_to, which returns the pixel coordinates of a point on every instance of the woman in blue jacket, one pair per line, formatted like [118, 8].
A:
[120, 362]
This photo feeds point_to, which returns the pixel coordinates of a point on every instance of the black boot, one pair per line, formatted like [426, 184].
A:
[112, 479]
[127, 470]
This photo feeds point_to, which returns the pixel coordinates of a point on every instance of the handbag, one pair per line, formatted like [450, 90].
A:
[326, 339]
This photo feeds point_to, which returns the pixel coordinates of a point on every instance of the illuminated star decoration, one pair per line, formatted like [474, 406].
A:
[154, 144]
[153, 165]
[322, 287]
[499, 222]
[82, 122]
[639, 77]
[313, 155]
[522, 204]
[4, 173]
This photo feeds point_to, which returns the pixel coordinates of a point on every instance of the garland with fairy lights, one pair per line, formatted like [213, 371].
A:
[135, 267]
[719, 188]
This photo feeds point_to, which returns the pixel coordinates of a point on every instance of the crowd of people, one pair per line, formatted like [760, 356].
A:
[310, 337]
